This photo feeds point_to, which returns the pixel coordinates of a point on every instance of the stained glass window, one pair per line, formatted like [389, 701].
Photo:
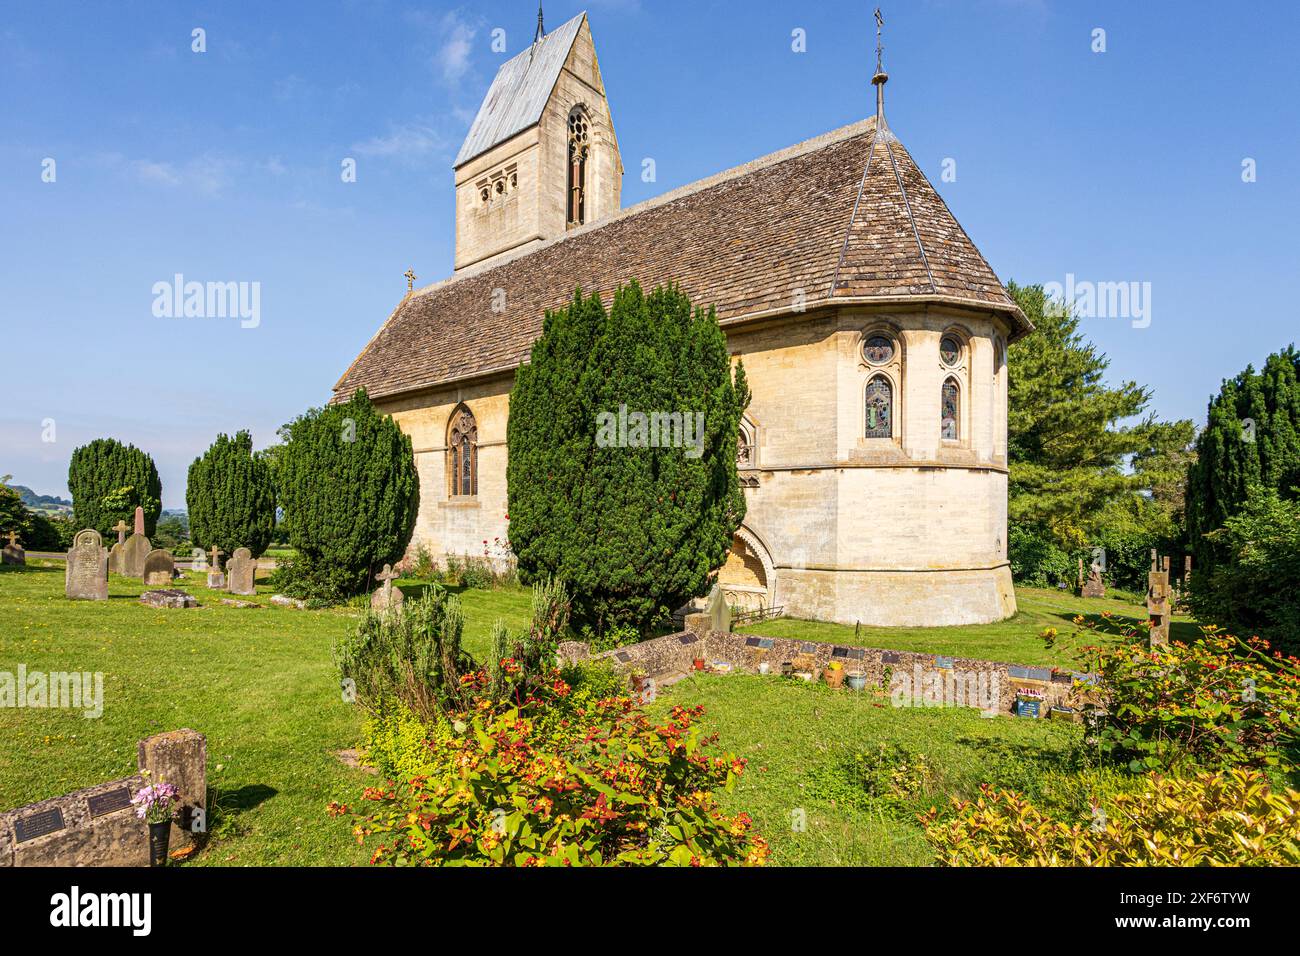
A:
[463, 447]
[878, 349]
[951, 417]
[880, 408]
[949, 350]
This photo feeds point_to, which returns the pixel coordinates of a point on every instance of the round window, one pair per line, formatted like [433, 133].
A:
[949, 350]
[878, 349]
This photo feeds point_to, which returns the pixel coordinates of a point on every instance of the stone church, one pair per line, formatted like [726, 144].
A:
[873, 332]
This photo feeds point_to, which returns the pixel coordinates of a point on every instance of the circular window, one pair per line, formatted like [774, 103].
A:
[878, 349]
[949, 350]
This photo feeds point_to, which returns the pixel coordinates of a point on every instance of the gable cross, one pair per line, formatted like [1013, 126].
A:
[410, 280]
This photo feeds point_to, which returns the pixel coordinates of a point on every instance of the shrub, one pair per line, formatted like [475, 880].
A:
[508, 793]
[230, 498]
[1231, 818]
[1218, 702]
[412, 657]
[631, 527]
[347, 482]
[1037, 560]
[108, 480]
[1251, 588]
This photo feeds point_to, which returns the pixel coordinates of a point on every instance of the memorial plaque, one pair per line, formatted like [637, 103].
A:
[688, 638]
[38, 825]
[766, 644]
[857, 653]
[1062, 679]
[623, 657]
[103, 803]
[943, 663]
[808, 647]
[890, 657]
[1017, 672]
[1043, 674]
[839, 652]
[751, 642]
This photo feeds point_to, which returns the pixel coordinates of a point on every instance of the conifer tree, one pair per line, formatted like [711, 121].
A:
[230, 498]
[634, 530]
[108, 480]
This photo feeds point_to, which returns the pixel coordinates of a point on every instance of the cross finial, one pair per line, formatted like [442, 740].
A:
[410, 279]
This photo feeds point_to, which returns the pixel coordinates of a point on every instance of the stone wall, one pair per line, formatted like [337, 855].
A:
[98, 826]
[670, 658]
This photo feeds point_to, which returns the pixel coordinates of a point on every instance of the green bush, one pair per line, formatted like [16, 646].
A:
[1232, 818]
[230, 498]
[1038, 561]
[617, 789]
[108, 480]
[347, 482]
[1252, 586]
[635, 530]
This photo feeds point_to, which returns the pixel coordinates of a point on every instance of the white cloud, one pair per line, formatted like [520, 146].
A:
[409, 141]
[452, 58]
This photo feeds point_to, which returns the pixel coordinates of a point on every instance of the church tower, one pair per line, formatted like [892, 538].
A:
[541, 157]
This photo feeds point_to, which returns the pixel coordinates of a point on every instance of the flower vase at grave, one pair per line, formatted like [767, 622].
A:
[160, 835]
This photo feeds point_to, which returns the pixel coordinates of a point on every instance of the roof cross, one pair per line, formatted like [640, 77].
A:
[410, 279]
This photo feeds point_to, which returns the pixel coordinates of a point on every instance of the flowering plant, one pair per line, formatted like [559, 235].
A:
[156, 802]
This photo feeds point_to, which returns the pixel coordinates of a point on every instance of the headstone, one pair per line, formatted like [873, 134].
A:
[1158, 600]
[198, 559]
[1093, 587]
[216, 580]
[13, 552]
[240, 572]
[388, 597]
[115, 553]
[135, 549]
[86, 577]
[718, 610]
[168, 597]
[159, 569]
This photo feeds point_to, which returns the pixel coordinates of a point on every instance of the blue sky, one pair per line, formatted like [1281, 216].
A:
[225, 166]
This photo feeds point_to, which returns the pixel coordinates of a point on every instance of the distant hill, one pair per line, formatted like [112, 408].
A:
[44, 503]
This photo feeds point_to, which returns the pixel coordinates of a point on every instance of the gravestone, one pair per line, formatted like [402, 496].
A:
[168, 598]
[136, 549]
[388, 597]
[115, 554]
[13, 552]
[216, 580]
[1093, 587]
[718, 610]
[1158, 600]
[159, 569]
[86, 576]
[198, 559]
[240, 572]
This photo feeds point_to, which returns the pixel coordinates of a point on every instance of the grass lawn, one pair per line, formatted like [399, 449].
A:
[1015, 640]
[259, 683]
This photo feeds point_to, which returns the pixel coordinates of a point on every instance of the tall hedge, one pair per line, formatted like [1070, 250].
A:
[108, 480]
[230, 498]
[346, 479]
[1229, 463]
[634, 531]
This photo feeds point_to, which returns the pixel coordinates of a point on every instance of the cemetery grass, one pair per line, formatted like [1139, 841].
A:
[1016, 640]
[258, 682]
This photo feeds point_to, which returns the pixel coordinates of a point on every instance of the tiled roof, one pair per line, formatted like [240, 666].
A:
[520, 91]
[822, 222]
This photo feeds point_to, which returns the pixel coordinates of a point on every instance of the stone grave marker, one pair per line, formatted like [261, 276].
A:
[86, 577]
[240, 571]
[1158, 600]
[115, 554]
[216, 580]
[159, 569]
[388, 597]
[718, 610]
[136, 549]
[1094, 587]
[198, 559]
[13, 552]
